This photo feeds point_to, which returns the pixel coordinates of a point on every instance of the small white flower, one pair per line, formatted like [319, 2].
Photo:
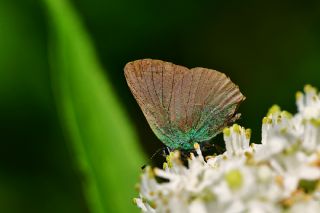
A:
[237, 140]
[280, 174]
[308, 206]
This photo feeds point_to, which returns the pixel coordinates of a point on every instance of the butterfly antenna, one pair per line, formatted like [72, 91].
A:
[156, 152]
[163, 149]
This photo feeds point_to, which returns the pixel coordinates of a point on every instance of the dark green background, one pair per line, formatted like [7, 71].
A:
[269, 48]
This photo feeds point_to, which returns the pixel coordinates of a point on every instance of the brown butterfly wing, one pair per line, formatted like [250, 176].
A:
[216, 101]
[152, 83]
[182, 105]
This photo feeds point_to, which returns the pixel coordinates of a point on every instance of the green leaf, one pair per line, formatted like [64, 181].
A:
[102, 139]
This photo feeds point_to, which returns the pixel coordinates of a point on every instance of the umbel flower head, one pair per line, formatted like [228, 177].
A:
[282, 174]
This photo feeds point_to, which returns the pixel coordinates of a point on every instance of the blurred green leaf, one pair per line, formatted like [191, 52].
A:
[103, 141]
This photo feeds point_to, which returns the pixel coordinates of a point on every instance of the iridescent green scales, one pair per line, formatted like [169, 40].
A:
[183, 106]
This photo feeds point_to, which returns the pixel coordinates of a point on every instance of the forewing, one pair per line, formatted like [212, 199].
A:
[152, 83]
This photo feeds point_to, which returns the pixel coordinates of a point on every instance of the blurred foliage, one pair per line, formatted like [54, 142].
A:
[36, 173]
[104, 144]
[269, 48]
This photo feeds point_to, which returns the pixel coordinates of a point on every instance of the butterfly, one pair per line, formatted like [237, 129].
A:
[183, 106]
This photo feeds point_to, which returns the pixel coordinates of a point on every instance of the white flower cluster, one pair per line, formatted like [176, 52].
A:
[282, 174]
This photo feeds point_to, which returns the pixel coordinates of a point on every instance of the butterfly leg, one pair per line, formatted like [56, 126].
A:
[166, 151]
